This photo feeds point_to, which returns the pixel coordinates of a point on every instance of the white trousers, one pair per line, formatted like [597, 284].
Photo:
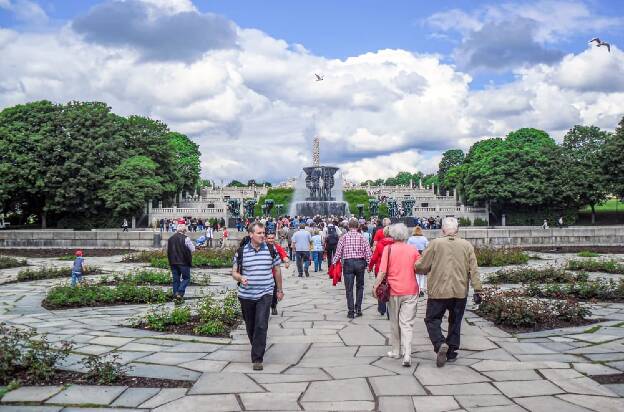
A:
[422, 282]
[402, 311]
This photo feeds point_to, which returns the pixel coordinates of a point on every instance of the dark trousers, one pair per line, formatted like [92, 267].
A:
[436, 308]
[330, 255]
[256, 316]
[303, 262]
[209, 242]
[179, 285]
[353, 273]
[274, 300]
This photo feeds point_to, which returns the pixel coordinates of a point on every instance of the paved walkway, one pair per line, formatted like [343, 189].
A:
[318, 360]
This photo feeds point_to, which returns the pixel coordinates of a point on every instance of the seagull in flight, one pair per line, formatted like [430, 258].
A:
[318, 77]
[601, 43]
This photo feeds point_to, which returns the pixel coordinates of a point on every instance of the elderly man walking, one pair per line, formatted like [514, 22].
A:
[450, 263]
[257, 271]
[355, 253]
[180, 250]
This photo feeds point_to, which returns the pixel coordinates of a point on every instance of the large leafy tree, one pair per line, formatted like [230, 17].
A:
[583, 147]
[450, 159]
[612, 161]
[186, 160]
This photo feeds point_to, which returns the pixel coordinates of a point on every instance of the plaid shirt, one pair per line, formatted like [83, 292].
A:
[352, 246]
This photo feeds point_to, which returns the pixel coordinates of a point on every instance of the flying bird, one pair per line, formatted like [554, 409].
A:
[601, 43]
[318, 77]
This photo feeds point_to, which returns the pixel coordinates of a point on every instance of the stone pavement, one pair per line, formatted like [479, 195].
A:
[318, 360]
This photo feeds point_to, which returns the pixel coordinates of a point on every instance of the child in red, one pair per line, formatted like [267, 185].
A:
[270, 239]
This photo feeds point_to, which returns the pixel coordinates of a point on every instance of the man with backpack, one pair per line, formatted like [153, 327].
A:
[332, 235]
[257, 270]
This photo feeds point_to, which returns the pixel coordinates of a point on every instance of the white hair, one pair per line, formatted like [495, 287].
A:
[181, 228]
[386, 221]
[398, 232]
[449, 225]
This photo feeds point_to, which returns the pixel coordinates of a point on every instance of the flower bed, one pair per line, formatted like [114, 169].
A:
[7, 262]
[514, 312]
[152, 277]
[62, 297]
[487, 256]
[209, 317]
[549, 274]
[599, 289]
[595, 265]
[206, 258]
[53, 273]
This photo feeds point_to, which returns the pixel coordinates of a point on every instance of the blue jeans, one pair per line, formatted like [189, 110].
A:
[179, 286]
[303, 262]
[317, 257]
[75, 277]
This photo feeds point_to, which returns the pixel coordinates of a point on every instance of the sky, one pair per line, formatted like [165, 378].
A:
[403, 80]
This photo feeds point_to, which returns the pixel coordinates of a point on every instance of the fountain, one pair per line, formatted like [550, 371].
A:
[314, 193]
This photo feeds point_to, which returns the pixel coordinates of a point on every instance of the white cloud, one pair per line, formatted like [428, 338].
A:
[254, 109]
[26, 11]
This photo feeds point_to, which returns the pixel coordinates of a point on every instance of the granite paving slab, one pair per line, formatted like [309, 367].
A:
[133, 397]
[87, 394]
[202, 403]
[31, 394]
[338, 390]
[396, 385]
[165, 395]
[435, 403]
[270, 401]
[548, 404]
[219, 383]
[527, 388]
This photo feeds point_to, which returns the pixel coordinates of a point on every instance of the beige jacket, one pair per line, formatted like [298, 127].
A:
[449, 262]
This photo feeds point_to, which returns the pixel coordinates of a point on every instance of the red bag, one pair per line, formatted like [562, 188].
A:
[335, 271]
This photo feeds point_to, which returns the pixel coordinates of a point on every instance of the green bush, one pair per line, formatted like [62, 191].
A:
[104, 371]
[144, 256]
[511, 309]
[100, 295]
[211, 328]
[479, 222]
[206, 258]
[488, 256]
[153, 277]
[548, 274]
[281, 196]
[67, 257]
[21, 350]
[599, 289]
[7, 262]
[588, 254]
[464, 221]
[53, 273]
[595, 265]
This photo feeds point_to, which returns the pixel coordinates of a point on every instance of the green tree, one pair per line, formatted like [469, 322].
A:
[450, 159]
[236, 183]
[582, 149]
[187, 162]
[612, 160]
[131, 185]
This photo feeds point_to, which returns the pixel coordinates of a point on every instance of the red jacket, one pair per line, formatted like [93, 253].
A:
[280, 251]
[376, 259]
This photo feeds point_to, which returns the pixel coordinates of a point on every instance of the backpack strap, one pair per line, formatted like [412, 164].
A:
[239, 259]
[272, 251]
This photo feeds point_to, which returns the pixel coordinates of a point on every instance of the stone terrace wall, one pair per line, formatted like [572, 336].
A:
[511, 236]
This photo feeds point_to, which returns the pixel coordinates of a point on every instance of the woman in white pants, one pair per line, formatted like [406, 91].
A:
[397, 264]
[420, 242]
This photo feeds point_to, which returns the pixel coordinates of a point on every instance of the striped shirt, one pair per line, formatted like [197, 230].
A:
[258, 269]
[352, 246]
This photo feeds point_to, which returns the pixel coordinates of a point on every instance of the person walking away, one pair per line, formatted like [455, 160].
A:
[317, 250]
[301, 244]
[364, 232]
[379, 233]
[77, 269]
[226, 234]
[270, 239]
[355, 254]
[124, 225]
[180, 250]
[450, 263]
[331, 242]
[257, 272]
[397, 265]
[376, 261]
[420, 242]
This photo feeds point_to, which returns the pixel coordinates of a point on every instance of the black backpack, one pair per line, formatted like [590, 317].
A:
[241, 247]
[332, 237]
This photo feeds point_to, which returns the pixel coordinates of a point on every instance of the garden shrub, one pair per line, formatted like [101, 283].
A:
[207, 258]
[7, 262]
[153, 277]
[595, 265]
[479, 222]
[21, 350]
[489, 256]
[588, 254]
[511, 309]
[599, 289]
[549, 274]
[464, 221]
[104, 371]
[53, 273]
[66, 296]
[67, 257]
[144, 256]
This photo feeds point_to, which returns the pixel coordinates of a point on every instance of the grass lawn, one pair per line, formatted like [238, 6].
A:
[608, 206]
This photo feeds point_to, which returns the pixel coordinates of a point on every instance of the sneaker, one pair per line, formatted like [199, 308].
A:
[407, 361]
[441, 358]
[394, 355]
[358, 314]
[274, 311]
[257, 366]
[350, 315]
[307, 274]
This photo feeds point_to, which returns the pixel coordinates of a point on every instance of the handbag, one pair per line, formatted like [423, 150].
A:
[336, 273]
[383, 290]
